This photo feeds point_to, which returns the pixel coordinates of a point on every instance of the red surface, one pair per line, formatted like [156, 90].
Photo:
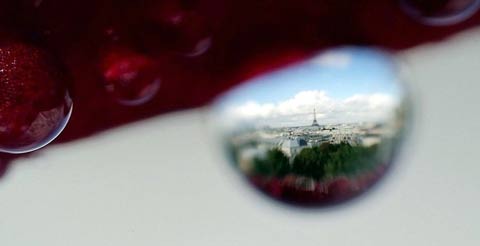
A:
[247, 37]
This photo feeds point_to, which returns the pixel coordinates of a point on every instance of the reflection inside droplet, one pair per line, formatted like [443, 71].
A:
[43, 129]
[319, 132]
[440, 12]
[200, 48]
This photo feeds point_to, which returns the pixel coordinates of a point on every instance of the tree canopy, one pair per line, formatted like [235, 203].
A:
[324, 161]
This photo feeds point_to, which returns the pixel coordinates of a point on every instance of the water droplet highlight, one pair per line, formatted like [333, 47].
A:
[440, 12]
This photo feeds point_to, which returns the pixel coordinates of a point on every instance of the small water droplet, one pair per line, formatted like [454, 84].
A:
[173, 27]
[440, 12]
[37, 3]
[131, 78]
[319, 132]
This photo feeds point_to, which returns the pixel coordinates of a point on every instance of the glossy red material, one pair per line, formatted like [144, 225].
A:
[240, 39]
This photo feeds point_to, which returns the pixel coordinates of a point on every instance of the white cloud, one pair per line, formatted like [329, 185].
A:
[335, 59]
[253, 109]
[298, 110]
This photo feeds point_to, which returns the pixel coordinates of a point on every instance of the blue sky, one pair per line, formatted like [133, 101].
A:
[367, 71]
[344, 85]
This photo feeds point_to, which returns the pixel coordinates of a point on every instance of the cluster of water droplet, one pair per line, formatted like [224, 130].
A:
[35, 104]
[319, 132]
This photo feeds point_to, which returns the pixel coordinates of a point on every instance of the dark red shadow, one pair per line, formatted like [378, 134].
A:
[248, 37]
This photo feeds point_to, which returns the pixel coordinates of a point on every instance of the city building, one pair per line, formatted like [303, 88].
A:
[292, 147]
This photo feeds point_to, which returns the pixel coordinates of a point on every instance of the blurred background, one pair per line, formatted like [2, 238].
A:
[166, 181]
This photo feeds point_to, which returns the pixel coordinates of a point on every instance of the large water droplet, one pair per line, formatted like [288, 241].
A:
[34, 102]
[440, 12]
[318, 132]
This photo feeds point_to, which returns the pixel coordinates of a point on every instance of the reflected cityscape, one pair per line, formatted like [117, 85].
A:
[314, 142]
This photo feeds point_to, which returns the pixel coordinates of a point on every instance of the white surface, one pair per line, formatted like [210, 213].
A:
[163, 182]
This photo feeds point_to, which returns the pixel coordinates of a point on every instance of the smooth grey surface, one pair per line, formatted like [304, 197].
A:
[164, 181]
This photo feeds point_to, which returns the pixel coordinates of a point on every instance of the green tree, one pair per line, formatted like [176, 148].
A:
[324, 161]
[275, 164]
[310, 163]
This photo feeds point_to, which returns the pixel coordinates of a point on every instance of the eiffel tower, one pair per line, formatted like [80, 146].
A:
[315, 123]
